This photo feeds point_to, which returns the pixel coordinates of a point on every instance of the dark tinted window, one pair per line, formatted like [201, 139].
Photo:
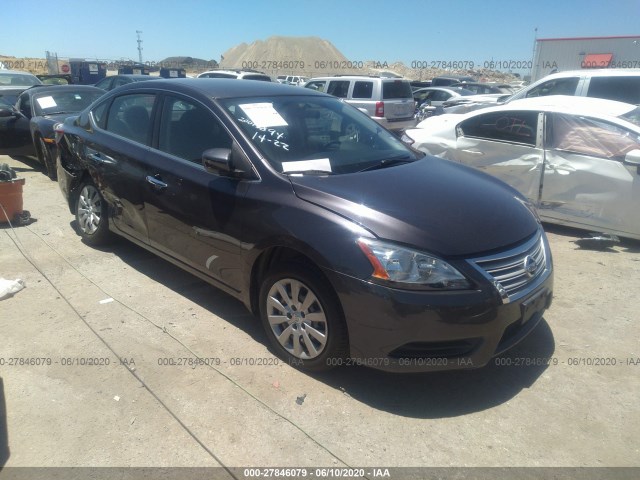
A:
[396, 89]
[622, 89]
[130, 115]
[519, 127]
[559, 86]
[188, 129]
[263, 78]
[24, 105]
[338, 88]
[362, 90]
[105, 83]
[218, 75]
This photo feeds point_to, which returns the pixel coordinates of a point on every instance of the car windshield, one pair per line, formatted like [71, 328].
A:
[633, 116]
[17, 79]
[315, 134]
[50, 103]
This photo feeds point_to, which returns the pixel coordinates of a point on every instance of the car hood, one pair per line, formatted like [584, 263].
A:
[58, 117]
[431, 204]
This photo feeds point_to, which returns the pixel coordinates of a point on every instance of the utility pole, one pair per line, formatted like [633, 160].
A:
[139, 46]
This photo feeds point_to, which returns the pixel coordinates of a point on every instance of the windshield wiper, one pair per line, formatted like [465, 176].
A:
[388, 162]
[309, 172]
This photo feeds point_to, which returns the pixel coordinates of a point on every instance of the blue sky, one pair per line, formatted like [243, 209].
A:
[379, 30]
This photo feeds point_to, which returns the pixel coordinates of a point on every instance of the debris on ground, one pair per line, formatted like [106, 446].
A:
[9, 287]
[598, 241]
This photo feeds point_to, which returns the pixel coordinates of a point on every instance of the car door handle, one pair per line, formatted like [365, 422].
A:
[156, 183]
[473, 152]
[100, 158]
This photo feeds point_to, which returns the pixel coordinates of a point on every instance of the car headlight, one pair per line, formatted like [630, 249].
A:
[410, 268]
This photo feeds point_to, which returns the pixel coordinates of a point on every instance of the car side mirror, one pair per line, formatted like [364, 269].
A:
[227, 161]
[632, 158]
[7, 112]
[217, 160]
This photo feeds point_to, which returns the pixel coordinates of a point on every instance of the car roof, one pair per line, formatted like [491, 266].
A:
[598, 72]
[15, 72]
[443, 87]
[136, 76]
[222, 87]
[583, 106]
[572, 104]
[37, 89]
[360, 77]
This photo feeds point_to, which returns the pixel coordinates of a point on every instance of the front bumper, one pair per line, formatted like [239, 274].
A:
[417, 331]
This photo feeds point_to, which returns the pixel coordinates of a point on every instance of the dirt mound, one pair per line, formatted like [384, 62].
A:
[281, 55]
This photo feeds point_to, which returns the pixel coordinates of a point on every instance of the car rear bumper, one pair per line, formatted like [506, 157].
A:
[417, 331]
[396, 124]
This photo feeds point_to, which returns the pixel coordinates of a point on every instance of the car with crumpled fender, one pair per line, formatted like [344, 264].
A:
[351, 247]
[576, 159]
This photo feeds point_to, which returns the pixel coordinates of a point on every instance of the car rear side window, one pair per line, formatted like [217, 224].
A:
[187, 129]
[517, 127]
[263, 78]
[396, 89]
[362, 90]
[338, 88]
[622, 89]
[130, 117]
[559, 86]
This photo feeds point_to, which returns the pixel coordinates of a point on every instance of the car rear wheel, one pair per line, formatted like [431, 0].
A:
[303, 319]
[45, 157]
[91, 215]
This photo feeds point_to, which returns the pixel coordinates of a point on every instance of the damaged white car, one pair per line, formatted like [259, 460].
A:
[576, 159]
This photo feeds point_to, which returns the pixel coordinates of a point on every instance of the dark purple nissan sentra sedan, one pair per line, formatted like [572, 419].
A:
[351, 247]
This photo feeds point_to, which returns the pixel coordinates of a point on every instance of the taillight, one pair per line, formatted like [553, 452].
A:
[379, 109]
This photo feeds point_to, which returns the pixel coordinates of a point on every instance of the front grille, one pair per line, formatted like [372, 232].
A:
[514, 271]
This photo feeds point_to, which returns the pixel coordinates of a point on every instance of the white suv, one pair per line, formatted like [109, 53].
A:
[239, 74]
[389, 101]
[621, 84]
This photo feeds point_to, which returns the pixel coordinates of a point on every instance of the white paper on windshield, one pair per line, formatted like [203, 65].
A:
[263, 115]
[46, 102]
[317, 164]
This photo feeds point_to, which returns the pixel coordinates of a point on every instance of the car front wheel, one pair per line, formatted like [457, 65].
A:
[91, 215]
[302, 318]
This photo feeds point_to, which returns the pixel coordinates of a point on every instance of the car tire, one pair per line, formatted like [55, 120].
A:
[92, 215]
[308, 331]
[44, 155]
